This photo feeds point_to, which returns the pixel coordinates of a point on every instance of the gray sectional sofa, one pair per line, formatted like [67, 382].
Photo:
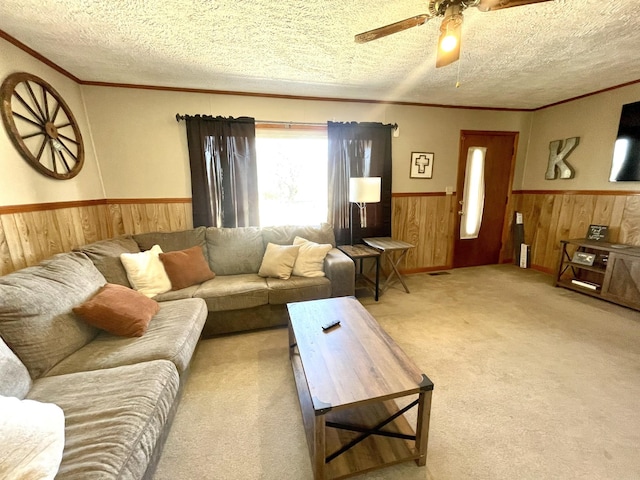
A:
[237, 298]
[119, 394]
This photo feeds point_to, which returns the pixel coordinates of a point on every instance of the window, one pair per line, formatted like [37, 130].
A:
[292, 175]
[473, 204]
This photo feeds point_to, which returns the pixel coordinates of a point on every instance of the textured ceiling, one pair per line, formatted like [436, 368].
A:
[524, 57]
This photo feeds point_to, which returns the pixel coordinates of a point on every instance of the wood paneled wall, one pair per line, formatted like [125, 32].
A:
[141, 217]
[426, 221]
[31, 233]
[26, 237]
[552, 216]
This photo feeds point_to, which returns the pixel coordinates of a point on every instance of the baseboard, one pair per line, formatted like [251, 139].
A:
[540, 268]
[409, 271]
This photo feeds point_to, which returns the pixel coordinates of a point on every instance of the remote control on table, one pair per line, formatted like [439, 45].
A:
[330, 325]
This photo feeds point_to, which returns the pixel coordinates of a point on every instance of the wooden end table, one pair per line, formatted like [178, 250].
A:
[358, 253]
[347, 379]
[388, 245]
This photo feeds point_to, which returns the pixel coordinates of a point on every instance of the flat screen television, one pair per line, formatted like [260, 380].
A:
[626, 153]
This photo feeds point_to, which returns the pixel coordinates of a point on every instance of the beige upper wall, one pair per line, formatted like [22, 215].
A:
[437, 130]
[21, 184]
[143, 150]
[595, 120]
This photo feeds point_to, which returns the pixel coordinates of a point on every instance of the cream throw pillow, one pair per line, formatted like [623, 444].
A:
[146, 272]
[310, 261]
[278, 261]
[32, 436]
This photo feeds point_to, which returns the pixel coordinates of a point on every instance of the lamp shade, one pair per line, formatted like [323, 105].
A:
[364, 189]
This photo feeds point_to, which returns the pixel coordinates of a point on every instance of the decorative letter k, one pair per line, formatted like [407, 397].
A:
[559, 150]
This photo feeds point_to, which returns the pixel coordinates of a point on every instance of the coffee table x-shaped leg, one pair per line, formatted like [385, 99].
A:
[389, 246]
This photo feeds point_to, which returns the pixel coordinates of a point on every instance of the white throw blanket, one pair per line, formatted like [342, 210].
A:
[31, 439]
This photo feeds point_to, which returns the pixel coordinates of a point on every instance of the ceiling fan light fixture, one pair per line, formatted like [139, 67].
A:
[450, 36]
[449, 42]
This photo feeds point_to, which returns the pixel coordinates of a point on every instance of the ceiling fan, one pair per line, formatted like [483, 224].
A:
[451, 27]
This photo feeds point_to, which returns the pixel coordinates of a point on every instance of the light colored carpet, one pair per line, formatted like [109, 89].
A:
[531, 382]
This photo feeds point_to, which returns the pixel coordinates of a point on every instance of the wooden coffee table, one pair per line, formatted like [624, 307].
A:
[348, 379]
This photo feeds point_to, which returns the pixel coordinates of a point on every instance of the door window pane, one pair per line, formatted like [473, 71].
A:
[473, 196]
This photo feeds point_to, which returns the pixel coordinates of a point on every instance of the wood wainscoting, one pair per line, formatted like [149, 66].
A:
[31, 233]
[550, 216]
[150, 215]
[425, 220]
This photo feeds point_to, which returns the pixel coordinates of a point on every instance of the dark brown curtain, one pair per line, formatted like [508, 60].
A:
[359, 150]
[224, 176]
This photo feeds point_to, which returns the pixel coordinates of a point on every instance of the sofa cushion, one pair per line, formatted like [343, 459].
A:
[186, 267]
[114, 417]
[172, 241]
[32, 438]
[233, 292]
[284, 235]
[278, 261]
[36, 320]
[118, 310]
[234, 251]
[172, 335]
[177, 294]
[14, 376]
[105, 255]
[146, 272]
[298, 289]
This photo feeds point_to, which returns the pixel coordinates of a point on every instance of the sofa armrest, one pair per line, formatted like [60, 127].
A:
[341, 271]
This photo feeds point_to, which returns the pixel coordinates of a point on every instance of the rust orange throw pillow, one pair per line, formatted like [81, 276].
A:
[186, 267]
[118, 310]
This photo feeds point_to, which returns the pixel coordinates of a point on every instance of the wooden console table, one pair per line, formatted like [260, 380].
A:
[613, 275]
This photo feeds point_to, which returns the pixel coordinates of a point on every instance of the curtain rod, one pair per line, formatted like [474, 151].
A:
[277, 122]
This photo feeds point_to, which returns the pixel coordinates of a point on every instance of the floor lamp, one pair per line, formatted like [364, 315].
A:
[362, 190]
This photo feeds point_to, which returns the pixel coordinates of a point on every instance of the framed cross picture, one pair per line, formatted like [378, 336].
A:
[421, 165]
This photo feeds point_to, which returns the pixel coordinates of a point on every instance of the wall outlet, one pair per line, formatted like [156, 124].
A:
[448, 190]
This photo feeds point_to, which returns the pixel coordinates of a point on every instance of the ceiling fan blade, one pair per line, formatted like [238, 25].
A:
[393, 28]
[487, 5]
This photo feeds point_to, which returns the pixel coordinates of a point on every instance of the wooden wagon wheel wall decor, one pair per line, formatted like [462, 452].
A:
[41, 126]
